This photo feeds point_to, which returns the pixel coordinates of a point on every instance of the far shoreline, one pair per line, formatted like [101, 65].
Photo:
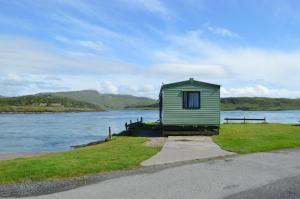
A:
[131, 109]
[47, 112]
[150, 109]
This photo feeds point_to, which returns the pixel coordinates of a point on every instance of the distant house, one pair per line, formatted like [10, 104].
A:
[189, 105]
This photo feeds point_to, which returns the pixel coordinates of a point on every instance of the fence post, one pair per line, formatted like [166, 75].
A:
[244, 120]
[126, 126]
[130, 121]
[109, 133]
[142, 119]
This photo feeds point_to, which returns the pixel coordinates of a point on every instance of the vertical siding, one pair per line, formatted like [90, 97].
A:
[208, 114]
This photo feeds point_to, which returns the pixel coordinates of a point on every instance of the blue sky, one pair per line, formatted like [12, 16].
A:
[249, 47]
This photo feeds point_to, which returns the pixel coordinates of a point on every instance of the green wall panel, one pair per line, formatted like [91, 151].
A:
[174, 114]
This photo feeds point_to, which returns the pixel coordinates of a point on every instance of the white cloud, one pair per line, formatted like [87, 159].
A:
[98, 36]
[154, 6]
[147, 88]
[22, 84]
[223, 32]
[107, 87]
[277, 67]
[192, 55]
[79, 5]
[185, 69]
[127, 87]
[181, 57]
[82, 27]
[94, 45]
[23, 55]
[97, 46]
[258, 91]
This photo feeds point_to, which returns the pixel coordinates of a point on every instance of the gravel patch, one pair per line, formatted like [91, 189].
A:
[156, 141]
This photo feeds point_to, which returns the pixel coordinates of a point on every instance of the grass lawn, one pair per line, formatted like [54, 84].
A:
[248, 138]
[120, 153]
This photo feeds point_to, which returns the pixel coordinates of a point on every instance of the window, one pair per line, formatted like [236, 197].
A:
[191, 99]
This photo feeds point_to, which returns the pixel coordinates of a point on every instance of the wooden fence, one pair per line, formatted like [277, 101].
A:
[133, 124]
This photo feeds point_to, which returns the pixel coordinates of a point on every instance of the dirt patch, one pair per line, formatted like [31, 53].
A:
[184, 140]
[156, 141]
[10, 156]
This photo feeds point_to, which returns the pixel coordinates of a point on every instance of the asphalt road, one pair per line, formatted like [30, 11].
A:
[260, 175]
[287, 188]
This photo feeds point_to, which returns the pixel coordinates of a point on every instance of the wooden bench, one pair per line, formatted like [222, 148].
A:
[245, 119]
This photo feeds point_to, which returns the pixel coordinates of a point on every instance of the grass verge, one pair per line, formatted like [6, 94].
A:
[120, 153]
[249, 138]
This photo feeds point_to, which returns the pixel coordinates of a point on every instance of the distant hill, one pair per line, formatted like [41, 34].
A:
[259, 103]
[44, 103]
[91, 100]
[248, 103]
[105, 101]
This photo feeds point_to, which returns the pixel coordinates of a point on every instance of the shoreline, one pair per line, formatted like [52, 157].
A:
[221, 110]
[14, 155]
[42, 112]
[87, 111]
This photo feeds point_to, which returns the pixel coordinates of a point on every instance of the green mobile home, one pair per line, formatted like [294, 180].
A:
[189, 105]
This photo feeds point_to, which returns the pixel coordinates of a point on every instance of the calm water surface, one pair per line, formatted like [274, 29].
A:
[58, 131]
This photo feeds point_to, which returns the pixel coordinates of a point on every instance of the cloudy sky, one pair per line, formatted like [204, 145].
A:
[251, 48]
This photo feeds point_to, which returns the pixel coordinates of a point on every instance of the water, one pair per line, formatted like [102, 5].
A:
[58, 131]
[288, 117]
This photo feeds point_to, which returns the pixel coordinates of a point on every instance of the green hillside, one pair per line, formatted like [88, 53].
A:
[248, 103]
[106, 101]
[259, 103]
[45, 103]
[91, 100]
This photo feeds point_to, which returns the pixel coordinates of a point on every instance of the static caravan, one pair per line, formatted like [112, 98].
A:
[189, 107]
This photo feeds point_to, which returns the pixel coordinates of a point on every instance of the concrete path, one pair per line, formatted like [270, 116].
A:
[206, 180]
[183, 148]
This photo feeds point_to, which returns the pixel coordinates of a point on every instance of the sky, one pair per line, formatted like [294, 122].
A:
[251, 47]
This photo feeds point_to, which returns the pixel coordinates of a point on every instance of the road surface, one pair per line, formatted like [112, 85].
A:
[260, 175]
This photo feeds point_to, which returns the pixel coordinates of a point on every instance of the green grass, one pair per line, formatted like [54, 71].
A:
[249, 138]
[119, 153]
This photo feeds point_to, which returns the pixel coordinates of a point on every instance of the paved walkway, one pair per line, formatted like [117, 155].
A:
[182, 148]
